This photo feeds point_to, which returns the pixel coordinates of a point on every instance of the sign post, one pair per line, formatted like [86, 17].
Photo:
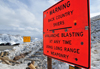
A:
[66, 32]
[49, 60]
[77, 67]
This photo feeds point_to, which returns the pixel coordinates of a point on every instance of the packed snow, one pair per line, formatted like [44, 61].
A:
[34, 46]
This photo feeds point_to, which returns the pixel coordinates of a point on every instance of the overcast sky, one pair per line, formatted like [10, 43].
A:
[25, 17]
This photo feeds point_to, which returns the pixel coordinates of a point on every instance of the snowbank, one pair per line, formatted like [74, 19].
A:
[5, 66]
[17, 50]
[7, 39]
[26, 47]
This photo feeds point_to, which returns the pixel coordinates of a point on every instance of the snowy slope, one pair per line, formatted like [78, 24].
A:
[33, 39]
[26, 47]
[12, 39]
[95, 42]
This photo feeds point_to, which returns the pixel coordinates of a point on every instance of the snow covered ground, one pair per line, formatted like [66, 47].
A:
[17, 50]
[95, 42]
[35, 46]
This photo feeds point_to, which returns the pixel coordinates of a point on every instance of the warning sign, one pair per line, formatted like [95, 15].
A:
[66, 32]
[26, 39]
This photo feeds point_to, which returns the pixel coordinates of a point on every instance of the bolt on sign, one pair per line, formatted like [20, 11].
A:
[26, 39]
[66, 32]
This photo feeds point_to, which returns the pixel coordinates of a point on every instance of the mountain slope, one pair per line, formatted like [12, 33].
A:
[10, 39]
